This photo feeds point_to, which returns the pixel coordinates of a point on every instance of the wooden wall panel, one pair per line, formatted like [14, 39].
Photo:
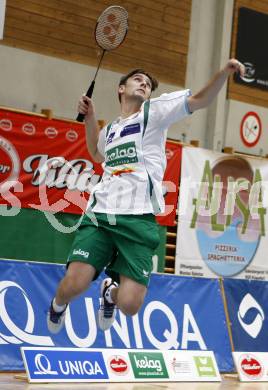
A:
[237, 91]
[157, 39]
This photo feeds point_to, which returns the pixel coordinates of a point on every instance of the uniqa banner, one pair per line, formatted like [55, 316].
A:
[222, 229]
[45, 165]
[248, 313]
[170, 318]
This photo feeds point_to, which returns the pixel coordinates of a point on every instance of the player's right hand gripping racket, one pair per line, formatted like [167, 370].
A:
[110, 32]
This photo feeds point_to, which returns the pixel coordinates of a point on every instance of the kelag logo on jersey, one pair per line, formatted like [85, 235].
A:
[122, 154]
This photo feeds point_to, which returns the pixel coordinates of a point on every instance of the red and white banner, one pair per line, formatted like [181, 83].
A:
[48, 165]
[171, 183]
[30, 152]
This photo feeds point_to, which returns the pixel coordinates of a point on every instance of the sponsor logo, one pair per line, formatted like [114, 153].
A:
[110, 138]
[28, 128]
[205, 366]
[248, 303]
[19, 335]
[65, 364]
[10, 164]
[86, 367]
[122, 154]
[118, 365]
[56, 172]
[81, 253]
[51, 132]
[43, 365]
[145, 273]
[181, 367]
[148, 365]
[130, 129]
[251, 367]
[249, 73]
[71, 135]
[5, 124]
[118, 172]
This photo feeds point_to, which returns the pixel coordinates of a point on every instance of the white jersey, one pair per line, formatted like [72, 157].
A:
[135, 159]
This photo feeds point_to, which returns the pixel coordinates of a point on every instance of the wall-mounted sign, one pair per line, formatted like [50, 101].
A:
[248, 43]
[250, 129]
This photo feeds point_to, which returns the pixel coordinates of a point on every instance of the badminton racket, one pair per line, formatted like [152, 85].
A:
[110, 32]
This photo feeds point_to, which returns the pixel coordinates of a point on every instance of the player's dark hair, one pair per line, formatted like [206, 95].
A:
[123, 80]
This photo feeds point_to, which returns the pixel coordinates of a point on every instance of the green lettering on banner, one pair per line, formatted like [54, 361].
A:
[122, 154]
[205, 366]
[148, 365]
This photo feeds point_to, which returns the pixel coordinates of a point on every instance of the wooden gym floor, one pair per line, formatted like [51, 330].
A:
[229, 382]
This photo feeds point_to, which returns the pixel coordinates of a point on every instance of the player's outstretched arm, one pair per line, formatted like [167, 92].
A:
[205, 96]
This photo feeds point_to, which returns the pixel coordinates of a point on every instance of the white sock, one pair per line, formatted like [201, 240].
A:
[108, 294]
[58, 308]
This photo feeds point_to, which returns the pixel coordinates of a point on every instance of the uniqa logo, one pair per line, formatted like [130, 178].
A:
[69, 367]
[43, 369]
[19, 336]
[253, 329]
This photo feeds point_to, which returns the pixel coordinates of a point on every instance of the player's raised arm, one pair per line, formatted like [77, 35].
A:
[205, 96]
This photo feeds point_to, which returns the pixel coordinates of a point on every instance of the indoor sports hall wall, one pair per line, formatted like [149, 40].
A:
[31, 81]
[189, 32]
[202, 36]
[157, 38]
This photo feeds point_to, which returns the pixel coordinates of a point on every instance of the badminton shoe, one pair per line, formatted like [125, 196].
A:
[107, 310]
[55, 320]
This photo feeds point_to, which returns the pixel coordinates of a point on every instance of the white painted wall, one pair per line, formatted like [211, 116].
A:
[209, 48]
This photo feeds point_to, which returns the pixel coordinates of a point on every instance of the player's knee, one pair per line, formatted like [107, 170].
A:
[130, 306]
[73, 287]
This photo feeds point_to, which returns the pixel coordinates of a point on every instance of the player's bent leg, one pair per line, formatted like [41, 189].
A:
[130, 295]
[77, 279]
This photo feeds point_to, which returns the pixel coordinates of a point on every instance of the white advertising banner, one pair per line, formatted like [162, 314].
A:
[222, 229]
[118, 365]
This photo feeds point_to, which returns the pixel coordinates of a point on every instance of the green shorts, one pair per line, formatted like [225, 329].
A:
[121, 244]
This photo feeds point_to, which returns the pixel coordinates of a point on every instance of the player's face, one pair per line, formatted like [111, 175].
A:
[138, 87]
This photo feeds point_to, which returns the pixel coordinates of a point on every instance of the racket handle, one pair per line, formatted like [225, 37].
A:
[81, 117]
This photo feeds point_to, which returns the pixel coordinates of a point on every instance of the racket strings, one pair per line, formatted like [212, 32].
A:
[112, 27]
